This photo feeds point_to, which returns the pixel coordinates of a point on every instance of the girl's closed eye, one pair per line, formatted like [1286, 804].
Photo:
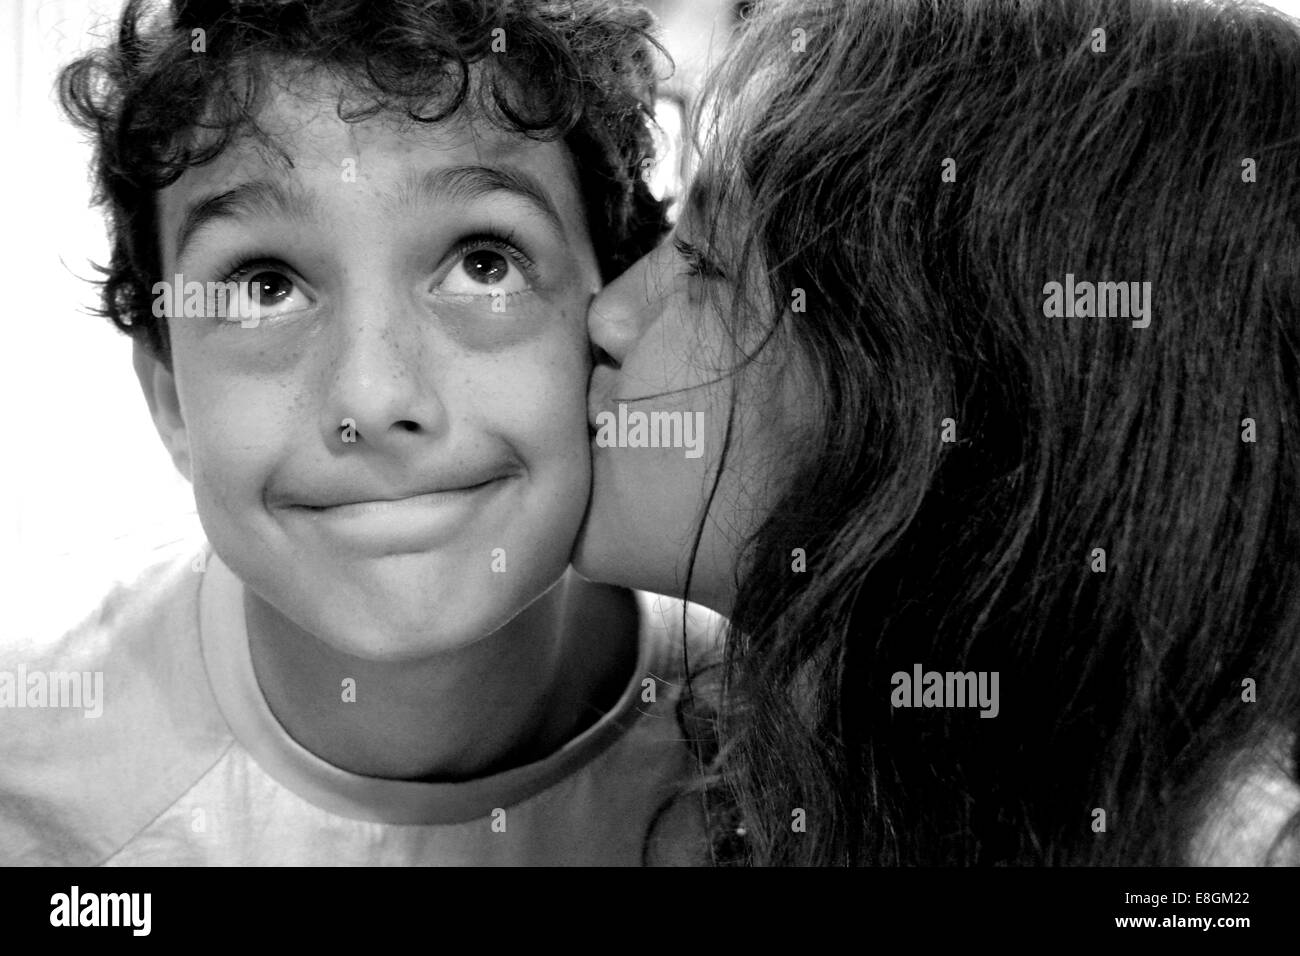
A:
[697, 263]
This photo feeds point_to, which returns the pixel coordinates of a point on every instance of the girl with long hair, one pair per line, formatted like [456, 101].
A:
[987, 311]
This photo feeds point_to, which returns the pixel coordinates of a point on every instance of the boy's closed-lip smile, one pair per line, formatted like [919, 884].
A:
[385, 520]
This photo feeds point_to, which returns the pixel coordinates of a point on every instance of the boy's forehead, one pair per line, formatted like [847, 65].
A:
[306, 121]
[305, 138]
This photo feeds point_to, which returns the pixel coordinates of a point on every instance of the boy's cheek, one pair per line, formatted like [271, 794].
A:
[548, 400]
[272, 350]
[234, 435]
[229, 473]
[488, 325]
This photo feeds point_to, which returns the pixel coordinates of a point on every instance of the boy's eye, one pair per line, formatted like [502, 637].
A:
[486, 265]
[269, 290]
[485, 269]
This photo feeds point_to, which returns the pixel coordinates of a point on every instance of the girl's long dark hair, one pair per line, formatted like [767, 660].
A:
[1166, 151]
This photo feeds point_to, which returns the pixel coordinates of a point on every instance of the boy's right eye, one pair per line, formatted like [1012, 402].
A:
[270, 289]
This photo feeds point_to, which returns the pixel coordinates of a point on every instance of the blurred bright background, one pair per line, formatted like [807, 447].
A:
[86, 490]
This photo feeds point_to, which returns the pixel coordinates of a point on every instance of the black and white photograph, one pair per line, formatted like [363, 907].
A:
[854, 435]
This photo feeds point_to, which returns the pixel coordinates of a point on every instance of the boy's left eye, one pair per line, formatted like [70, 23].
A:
[485, 269]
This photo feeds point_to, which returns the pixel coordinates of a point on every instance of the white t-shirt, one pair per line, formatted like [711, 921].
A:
[186, 764]
[1247, 822]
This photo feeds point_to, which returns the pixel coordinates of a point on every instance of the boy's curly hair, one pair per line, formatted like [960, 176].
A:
[180, 82]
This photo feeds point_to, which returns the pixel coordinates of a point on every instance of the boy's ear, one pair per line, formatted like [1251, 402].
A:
[159, 387]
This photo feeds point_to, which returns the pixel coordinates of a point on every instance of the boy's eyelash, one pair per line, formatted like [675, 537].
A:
[698, 264]
[503, 243]
[239, 269]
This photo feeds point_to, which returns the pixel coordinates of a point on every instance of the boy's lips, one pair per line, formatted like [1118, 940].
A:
[379, 500]
[395, 523]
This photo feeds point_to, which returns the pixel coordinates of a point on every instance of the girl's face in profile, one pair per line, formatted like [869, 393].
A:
[671, 369]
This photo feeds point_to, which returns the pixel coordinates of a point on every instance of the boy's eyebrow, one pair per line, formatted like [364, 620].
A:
[246, 199]
[463, 183]
[468, 183]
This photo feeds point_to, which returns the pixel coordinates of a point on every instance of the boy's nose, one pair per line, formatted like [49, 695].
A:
[625, 308]
[381, 382]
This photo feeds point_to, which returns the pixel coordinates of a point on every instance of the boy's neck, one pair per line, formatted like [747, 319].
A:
[509, 699]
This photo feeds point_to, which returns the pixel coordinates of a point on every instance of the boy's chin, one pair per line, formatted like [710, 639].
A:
[406, 618]
[407, 634]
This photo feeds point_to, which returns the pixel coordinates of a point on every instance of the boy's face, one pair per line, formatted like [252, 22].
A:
[395, 456]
